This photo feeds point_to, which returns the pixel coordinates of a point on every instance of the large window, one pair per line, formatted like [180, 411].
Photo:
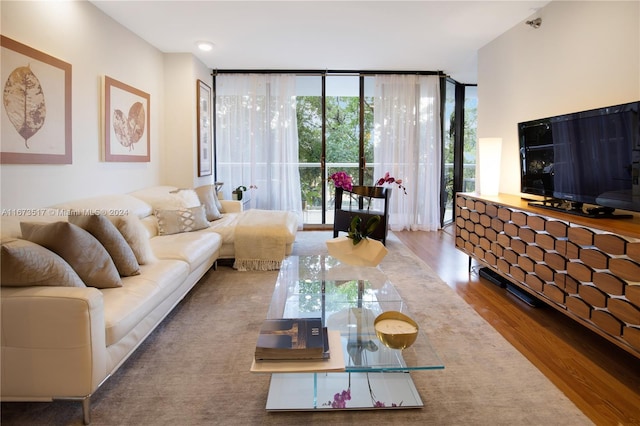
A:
[346, 140]
[339, 122]
[459, 143]
[469, 138]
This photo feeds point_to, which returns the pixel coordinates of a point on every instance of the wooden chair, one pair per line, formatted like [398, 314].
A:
[345, 212]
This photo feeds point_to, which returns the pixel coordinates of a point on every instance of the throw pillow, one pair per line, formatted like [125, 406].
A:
[187, 197]
[24, 263]
[79, 248]
[136, 235]
[217, 200]
[207, 196]
[112, 240]
[181, 220]
[169, 198]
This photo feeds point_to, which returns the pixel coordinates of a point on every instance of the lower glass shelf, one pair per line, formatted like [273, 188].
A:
[342, 391]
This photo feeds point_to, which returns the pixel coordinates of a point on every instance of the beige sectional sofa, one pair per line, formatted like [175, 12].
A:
[61, 342]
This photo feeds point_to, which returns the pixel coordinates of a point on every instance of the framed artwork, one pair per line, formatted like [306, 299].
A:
[126, 122]
[205, 135]
[36, 106]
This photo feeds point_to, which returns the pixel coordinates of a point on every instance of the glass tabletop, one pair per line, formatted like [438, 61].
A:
[348, 299]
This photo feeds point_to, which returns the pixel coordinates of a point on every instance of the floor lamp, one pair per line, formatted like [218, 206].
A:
[489, 152]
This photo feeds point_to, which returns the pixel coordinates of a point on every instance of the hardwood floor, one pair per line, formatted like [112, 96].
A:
[602, 379]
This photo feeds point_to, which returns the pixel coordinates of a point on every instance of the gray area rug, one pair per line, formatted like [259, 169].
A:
[194, 369]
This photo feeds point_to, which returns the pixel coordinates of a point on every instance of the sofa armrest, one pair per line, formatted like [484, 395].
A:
[53, 342]
[231, 206]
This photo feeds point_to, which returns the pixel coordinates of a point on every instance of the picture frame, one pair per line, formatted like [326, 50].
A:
[205, 132]
[126, 122]
[36, 107]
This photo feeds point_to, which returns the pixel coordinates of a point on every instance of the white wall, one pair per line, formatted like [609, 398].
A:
[95, 45]
[180, 165]
[585, 55]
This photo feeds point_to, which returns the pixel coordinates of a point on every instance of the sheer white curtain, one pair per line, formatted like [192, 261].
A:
[257, 139]
[407, 145]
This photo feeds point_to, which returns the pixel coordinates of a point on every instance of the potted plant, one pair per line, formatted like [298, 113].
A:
[357, 249]
[236, 194]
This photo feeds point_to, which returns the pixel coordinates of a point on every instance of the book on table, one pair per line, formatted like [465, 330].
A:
[292, 339]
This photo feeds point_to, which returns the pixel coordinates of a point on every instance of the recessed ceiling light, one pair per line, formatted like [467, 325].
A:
[205, 46]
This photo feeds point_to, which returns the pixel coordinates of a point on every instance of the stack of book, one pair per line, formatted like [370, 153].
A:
[292, 339]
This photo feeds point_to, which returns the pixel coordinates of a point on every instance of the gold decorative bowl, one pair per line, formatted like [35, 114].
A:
[395, 330]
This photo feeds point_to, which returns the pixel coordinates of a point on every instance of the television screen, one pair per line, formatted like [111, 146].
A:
[590, 157]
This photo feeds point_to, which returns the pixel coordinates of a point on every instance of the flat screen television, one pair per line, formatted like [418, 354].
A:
[583, 162]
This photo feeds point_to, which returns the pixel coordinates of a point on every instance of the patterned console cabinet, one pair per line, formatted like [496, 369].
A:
[587, 268]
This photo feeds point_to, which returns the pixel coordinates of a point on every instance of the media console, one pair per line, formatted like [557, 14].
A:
[587, 268]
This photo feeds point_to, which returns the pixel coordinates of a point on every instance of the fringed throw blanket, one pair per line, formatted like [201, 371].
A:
[260, 240]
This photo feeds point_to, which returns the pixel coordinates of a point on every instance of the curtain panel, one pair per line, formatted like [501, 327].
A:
[407, 144]
[257, 139]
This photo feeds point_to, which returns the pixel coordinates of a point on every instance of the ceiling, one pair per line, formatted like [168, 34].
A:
[326, 35]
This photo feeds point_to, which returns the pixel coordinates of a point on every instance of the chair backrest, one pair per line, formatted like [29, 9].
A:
[371, 191]
[381, 192]
[344, 217]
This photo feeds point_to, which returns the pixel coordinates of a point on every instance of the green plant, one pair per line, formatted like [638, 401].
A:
[239, 191]
[355, 230]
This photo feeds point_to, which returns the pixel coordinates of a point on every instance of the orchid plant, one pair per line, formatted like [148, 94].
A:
[342, 180]
[355, 231]
[388, 179]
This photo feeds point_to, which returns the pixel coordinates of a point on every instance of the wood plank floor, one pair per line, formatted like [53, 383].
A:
[600, 378]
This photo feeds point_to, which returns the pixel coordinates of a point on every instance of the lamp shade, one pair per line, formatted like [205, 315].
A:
[489, 153]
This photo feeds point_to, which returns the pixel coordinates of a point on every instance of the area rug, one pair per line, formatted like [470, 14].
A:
[194, 369]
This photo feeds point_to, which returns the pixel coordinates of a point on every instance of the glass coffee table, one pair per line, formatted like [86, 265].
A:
[348, 299]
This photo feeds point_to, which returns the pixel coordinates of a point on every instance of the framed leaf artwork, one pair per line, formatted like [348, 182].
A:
[36, 106]
[205, 133]
[126, 122]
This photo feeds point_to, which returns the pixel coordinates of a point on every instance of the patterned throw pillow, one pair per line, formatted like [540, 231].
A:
[181, 220]
[112, 240]
[79, 248]
[28, 264]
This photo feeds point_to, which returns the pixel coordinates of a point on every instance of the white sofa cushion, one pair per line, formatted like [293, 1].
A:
[126, 307]
[188, 197]
[192, 247]
[166, 197]
[225, 227]
[108, 205]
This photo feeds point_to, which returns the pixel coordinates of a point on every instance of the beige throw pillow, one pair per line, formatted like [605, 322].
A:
[181, 220]
[216, 199]
[136, 235]
[112, 240]
[79, 248]
[209, 199]
[24, 263]
[187, 198]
